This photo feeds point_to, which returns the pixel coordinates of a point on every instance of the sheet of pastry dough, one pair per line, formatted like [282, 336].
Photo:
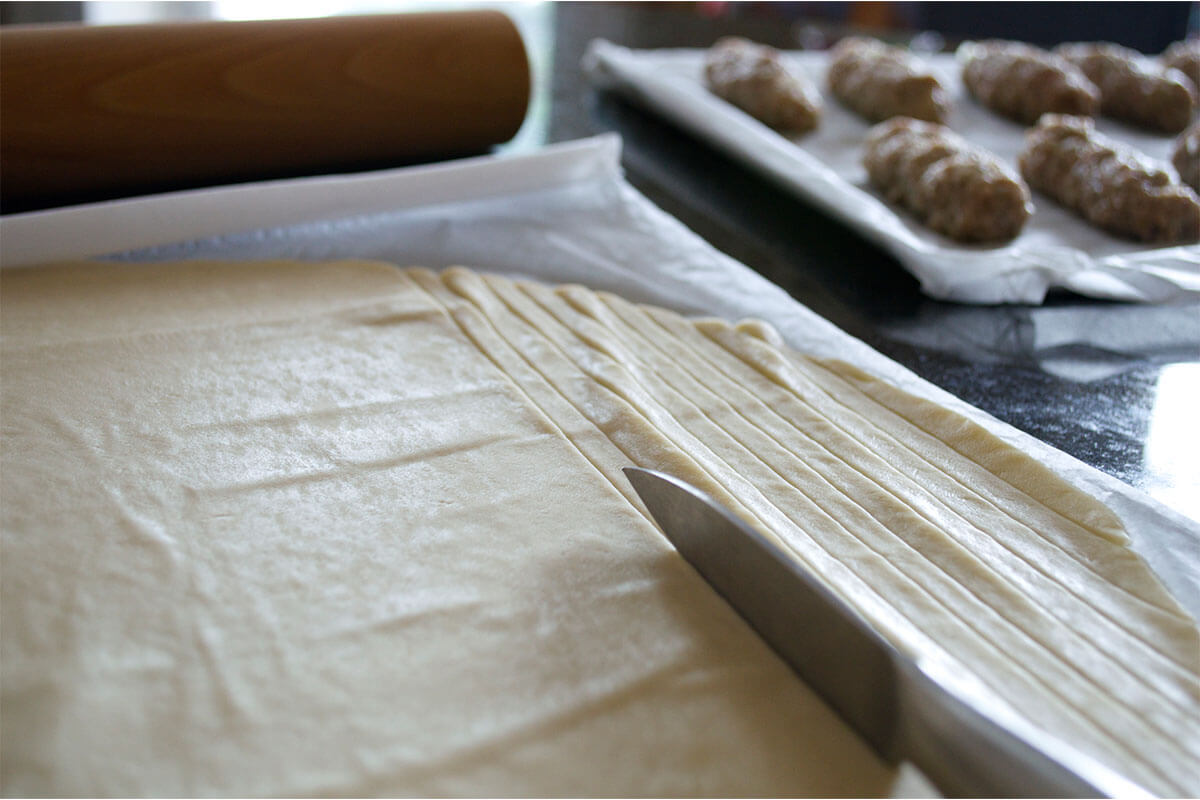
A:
[282, 528]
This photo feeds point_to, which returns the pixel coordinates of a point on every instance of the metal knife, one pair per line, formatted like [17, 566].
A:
[905, 709]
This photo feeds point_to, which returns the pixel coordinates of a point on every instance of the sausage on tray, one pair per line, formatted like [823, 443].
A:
[754, 78]
[878, 82]
[1185, 57]
[1132, 88]
[1023, 82]
[1186, 156]
[1108, 183]
[952, 186]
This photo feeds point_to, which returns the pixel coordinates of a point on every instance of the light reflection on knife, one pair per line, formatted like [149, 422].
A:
[902, 709]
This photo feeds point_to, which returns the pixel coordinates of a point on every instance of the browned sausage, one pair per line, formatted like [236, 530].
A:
[1186, 156]
[954, 187]
[753, 78]
[1132, 88]
[1185, 57]
[1023, 82]
[879, 82]
[1108, 183]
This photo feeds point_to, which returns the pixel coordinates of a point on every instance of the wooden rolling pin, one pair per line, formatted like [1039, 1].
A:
[110, 110]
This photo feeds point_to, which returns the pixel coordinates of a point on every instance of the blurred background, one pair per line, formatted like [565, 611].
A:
[1148, 27]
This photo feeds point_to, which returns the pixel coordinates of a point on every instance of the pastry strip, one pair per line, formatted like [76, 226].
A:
[838, 428]
[864, 500]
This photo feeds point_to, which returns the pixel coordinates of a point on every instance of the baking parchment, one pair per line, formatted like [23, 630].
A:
[561, 215]
[1055, 249]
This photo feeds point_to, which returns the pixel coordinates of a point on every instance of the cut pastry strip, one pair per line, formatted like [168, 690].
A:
[858, 493]
[897, 426]
[599, 447]
[523, 321]
[586, 382]
[1186, 642]
[1017, 548]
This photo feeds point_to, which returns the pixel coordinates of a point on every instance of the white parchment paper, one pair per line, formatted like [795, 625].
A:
[565, 214]
[1056, 248]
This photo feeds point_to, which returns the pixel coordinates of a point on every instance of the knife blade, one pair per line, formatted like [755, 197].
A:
[905, 709]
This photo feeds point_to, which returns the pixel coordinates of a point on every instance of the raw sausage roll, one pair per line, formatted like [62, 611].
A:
[1108, 183]
[1185, 57]
[753, 78]
[1023, 82]
[955, 188]
[1186, 156]
[879, 82]
[1133, 90]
